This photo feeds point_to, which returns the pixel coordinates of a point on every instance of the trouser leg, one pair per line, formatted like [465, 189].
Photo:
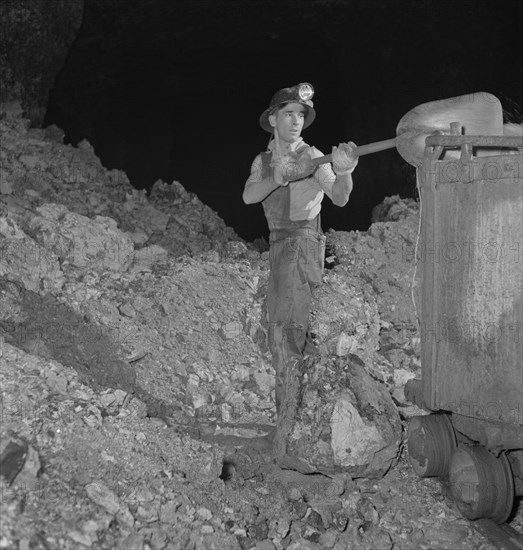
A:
[288, 306]
[279, 355]
[288, 407]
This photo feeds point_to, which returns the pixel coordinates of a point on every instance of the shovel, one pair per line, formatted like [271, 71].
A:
[478, 113]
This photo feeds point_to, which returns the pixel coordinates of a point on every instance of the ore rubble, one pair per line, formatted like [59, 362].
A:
[137, 387]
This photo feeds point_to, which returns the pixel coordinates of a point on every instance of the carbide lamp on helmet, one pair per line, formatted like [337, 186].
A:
[305, 91]
[301, 93]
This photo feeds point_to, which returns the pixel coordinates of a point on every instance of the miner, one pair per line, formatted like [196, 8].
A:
[291, 189]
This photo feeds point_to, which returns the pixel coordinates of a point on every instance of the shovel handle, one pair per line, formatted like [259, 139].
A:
[361, 150]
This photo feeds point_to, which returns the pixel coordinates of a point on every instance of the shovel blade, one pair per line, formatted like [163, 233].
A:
[478, 113]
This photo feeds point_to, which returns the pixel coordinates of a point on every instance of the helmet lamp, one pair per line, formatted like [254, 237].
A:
[305, 91]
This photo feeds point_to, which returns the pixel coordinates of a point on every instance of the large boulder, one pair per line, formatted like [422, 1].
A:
[346, 421]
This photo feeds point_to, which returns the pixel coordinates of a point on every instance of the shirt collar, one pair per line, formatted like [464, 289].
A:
[292, 147]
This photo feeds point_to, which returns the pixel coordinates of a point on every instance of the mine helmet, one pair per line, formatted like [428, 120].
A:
[301, 93]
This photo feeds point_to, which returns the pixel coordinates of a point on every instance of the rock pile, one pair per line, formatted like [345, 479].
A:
[38, 169]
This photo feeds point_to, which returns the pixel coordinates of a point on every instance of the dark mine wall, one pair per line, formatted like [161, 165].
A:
[35, 39]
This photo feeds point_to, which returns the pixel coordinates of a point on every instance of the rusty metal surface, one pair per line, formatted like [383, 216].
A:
[496, 436]
[512, 142]
[471, 260]
[503, 536]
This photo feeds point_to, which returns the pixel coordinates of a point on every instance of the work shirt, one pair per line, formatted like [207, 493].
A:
[297, 204]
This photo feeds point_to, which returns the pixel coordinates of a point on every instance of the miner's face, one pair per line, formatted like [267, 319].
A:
[288, 121]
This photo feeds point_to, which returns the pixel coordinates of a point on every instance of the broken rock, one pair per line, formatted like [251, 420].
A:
[346, 319]
[103, 496]
[347, 421]
[12, 457]
[96, 243]
[23, 260]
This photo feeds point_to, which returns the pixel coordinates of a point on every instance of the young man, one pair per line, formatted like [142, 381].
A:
[291, 190]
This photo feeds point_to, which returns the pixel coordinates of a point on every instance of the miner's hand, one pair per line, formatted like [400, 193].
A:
[343, 158]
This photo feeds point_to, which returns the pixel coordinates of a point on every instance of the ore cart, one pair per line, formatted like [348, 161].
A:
[470, 260]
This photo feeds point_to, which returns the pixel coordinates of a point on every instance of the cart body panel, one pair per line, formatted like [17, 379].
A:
[470, 259]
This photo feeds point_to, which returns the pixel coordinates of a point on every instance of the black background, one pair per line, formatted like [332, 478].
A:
[173, 89]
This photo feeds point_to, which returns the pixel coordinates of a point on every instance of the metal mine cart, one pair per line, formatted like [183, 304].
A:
[470, 259]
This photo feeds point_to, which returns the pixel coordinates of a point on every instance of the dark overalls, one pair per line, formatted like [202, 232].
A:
[297, 251]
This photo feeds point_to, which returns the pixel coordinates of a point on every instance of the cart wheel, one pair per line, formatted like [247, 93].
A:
[431, 441]
[482, 484]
